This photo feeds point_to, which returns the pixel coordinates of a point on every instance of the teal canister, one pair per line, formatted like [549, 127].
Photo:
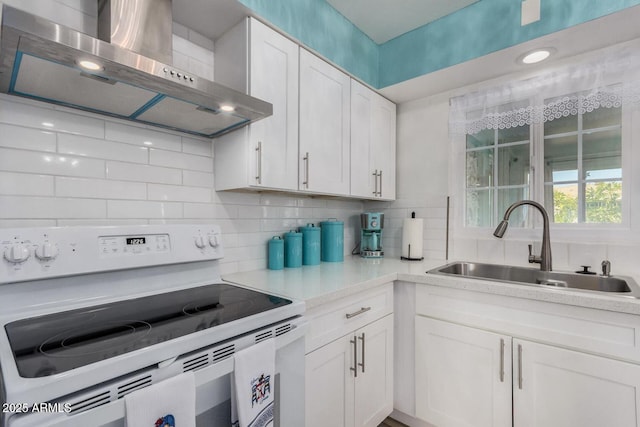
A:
[310, 244]
[276, 253]
[332, 241]
[292, 249]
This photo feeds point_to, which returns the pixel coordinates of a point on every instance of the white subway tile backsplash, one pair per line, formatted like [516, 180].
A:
[26, 138]
[25, 184]
[180, 60]
[143, 209]
[143, 173]
[200, 147]
[21, 207]
[142, 137]
[99, 188]
[192, 50]
[200, 69]
[178, 193]
[98, 222]
[491, 251]
[208, 210]
[49, 163]
[180, 160]
[46, 118]
[20, 223]
[624, 259]
[197, 179]
[99, 148]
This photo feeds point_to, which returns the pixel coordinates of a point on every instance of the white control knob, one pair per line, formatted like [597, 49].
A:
[200, 243]
[47, 251]
[16, 253]
[213, 241]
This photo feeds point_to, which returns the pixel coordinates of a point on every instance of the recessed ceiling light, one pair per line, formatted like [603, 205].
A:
[536, 56]
[227, 108]
[89, 65]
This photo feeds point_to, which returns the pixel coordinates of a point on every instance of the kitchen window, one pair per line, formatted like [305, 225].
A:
[564, 137]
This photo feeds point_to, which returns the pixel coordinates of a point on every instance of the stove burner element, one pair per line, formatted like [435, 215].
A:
[59, 342]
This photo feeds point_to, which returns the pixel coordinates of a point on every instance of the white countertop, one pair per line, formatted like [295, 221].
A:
[329, 281]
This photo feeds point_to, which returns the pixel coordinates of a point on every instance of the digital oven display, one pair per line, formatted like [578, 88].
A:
[136, 240]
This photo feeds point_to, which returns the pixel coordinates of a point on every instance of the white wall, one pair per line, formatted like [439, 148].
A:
[63, 167]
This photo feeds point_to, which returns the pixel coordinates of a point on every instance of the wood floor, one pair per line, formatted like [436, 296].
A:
[391, 423]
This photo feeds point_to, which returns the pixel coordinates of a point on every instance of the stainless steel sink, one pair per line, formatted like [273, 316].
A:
[617, 285]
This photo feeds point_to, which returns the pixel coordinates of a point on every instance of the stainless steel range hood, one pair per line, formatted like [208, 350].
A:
[40, 59]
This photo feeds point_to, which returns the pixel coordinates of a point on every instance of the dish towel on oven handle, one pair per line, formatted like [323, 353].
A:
[170, 403]
[252, 386]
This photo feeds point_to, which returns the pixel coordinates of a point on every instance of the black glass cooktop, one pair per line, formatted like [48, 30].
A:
[59, 342]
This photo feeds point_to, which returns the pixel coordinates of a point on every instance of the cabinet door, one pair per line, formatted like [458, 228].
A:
[374, 384]
[564, 388]
[383, 146]
[329, 384]
[274, 78]
[463, 375]
[324, 126]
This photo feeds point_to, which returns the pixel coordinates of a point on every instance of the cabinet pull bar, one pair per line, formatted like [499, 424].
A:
[356, 313]
[306, 170]
[375, 179]
[354, 341]
[520, 366]
[259, 162]
[362, 364]
[380, 191]
[501, 360]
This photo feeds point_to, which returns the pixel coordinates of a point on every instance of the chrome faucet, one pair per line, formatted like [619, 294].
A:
[545, 254]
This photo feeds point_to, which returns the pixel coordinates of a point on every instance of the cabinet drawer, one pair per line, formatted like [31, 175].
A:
[585, 329]
[333, 320]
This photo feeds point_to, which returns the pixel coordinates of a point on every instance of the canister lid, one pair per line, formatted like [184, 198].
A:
[331, 222]
[292, 234]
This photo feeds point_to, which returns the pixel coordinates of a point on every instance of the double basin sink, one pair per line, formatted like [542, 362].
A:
[612, 285]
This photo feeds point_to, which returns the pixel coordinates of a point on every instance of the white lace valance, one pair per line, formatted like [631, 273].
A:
[611, 80]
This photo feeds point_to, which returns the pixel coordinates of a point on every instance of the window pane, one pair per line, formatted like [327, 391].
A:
[602, 155]
[479, 208]
[508, 196]
[517, 134]
[480, 168]
[561, 159]
[481, 139]
[603, 202]
[602, 117]
[561, 125]
[561, 201]
[513, 165]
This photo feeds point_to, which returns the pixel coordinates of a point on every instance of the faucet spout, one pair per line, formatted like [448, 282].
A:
[545, 254]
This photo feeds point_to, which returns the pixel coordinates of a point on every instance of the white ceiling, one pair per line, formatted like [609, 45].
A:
[383, 20]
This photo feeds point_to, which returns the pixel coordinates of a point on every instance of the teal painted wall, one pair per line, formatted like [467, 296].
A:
[479, 29]
[322, 28]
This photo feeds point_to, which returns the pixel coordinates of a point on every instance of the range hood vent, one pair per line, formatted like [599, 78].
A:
[40, 59]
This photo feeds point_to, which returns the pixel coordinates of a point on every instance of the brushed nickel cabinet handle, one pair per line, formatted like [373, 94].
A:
[306, 170]
[354, 341]
[362, 364]
[356, 313]
[259, 162]
[380, 191]
[501, 360]
[520, 366]
[375, 178]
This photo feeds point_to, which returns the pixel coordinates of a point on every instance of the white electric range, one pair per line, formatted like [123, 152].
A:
[90, 314]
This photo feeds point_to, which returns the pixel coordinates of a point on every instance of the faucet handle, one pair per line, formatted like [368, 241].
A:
[606, 268]
[532, 258]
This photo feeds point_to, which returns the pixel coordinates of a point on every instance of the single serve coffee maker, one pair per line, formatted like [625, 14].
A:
[371, 225]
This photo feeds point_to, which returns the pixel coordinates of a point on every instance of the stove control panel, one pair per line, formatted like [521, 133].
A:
[43, 253]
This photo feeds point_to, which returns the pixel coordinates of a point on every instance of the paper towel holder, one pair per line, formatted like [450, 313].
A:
[409, 257]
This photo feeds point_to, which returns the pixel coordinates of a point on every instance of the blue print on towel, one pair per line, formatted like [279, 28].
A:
[166, 421]
[260, 389]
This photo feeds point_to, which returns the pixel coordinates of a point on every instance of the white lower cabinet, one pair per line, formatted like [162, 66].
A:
[474, 378]
[349, 380]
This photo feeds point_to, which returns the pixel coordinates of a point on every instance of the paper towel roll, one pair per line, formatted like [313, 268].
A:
[412, 238]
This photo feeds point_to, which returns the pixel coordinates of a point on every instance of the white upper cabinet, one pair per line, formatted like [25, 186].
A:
[373, 144]
[255, 59]
[324, 127]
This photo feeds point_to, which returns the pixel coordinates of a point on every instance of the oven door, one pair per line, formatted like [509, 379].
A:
[213, 391]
